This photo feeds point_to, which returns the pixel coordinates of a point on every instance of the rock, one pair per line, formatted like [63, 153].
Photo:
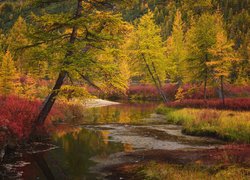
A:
[2, 153]
[3, 141]
[12, 145]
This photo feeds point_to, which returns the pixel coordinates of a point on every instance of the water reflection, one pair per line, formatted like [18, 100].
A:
[78, 148]
[123, 113]
[79, 144]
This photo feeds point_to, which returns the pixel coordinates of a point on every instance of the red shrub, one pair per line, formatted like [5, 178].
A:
[149, 92]
[237, 91]
[18, 115]
[196, 92]
[233, 103]
[191, 91]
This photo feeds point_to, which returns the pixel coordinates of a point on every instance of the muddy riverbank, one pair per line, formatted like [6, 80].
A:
[228, 155]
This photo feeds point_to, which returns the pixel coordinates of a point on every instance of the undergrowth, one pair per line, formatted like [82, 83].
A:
[156, 171]
[223, 124]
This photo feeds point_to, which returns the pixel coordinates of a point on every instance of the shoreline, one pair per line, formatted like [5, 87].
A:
[93, 103]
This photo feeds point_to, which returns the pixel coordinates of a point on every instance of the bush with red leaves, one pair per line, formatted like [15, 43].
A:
[19, 115]
[190, 91]
[149, 92]
[230, 91]
[232, 103]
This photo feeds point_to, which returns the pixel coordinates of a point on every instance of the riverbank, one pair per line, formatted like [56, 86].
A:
[93, 103]
[148, 92]
[127, 141]
[233, 126]
[226, 162]
[19, 115]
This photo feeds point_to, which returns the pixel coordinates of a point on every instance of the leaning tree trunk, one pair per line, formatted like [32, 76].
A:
[205, 79]
[159, 82]
[222, 90]
[50, 100]
[154, 79]
[205, 88]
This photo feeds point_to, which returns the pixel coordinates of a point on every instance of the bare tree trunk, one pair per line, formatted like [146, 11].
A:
[49, 102]
[205, 79]
[159, 82]
[205, 88]
[154, 79]
[222, 90]
[218, 89]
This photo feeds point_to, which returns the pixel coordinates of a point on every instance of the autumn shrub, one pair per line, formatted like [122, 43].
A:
[230, 103]
[189, 91]
[224, 124]
[19, 114]
[71, 112]
[237, 90]
[193, 91]
[149, 92]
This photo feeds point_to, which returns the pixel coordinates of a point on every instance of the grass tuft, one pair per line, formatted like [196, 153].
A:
[159, 171]
[223, 124]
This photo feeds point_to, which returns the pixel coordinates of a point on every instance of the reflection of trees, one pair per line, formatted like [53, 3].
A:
[62, 130]
[125, 113]
[128, 147]
[78, 149]
[79, 145]
[105, 136]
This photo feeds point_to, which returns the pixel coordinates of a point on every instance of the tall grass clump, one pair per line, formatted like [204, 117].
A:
[222, 124]
[160, 171]
[230, 103]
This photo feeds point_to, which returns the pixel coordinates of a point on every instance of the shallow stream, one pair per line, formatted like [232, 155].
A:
[83, 149]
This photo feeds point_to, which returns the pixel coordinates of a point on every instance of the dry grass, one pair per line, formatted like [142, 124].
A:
[155, 171]
[223, 124]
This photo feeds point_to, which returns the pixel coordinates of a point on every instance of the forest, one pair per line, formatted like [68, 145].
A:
[169, 70]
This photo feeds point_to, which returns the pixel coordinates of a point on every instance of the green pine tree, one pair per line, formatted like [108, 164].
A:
[176, 52]
[148, 51]
[17, 38]
[81, 38]
[200, 38]
[222, 56]
[8, 75]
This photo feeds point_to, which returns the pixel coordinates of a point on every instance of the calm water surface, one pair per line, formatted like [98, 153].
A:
[78, 144]
[104, 133]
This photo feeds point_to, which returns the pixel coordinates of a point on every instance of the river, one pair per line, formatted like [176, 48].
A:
[82, 149]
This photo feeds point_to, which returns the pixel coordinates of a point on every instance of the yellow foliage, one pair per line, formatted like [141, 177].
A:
[8, 75]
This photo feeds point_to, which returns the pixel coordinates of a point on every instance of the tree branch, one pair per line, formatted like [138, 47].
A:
[89, 81]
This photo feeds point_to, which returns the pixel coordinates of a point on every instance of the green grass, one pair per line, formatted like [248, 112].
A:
[156, 171]
[223, 124]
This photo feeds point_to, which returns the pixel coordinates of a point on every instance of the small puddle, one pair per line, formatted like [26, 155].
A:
[103, 139]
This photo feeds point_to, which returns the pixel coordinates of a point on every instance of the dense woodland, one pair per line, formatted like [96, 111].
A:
[188, 59]
[73, 46]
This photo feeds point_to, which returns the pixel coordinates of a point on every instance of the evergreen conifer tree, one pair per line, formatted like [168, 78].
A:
[8, 75]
